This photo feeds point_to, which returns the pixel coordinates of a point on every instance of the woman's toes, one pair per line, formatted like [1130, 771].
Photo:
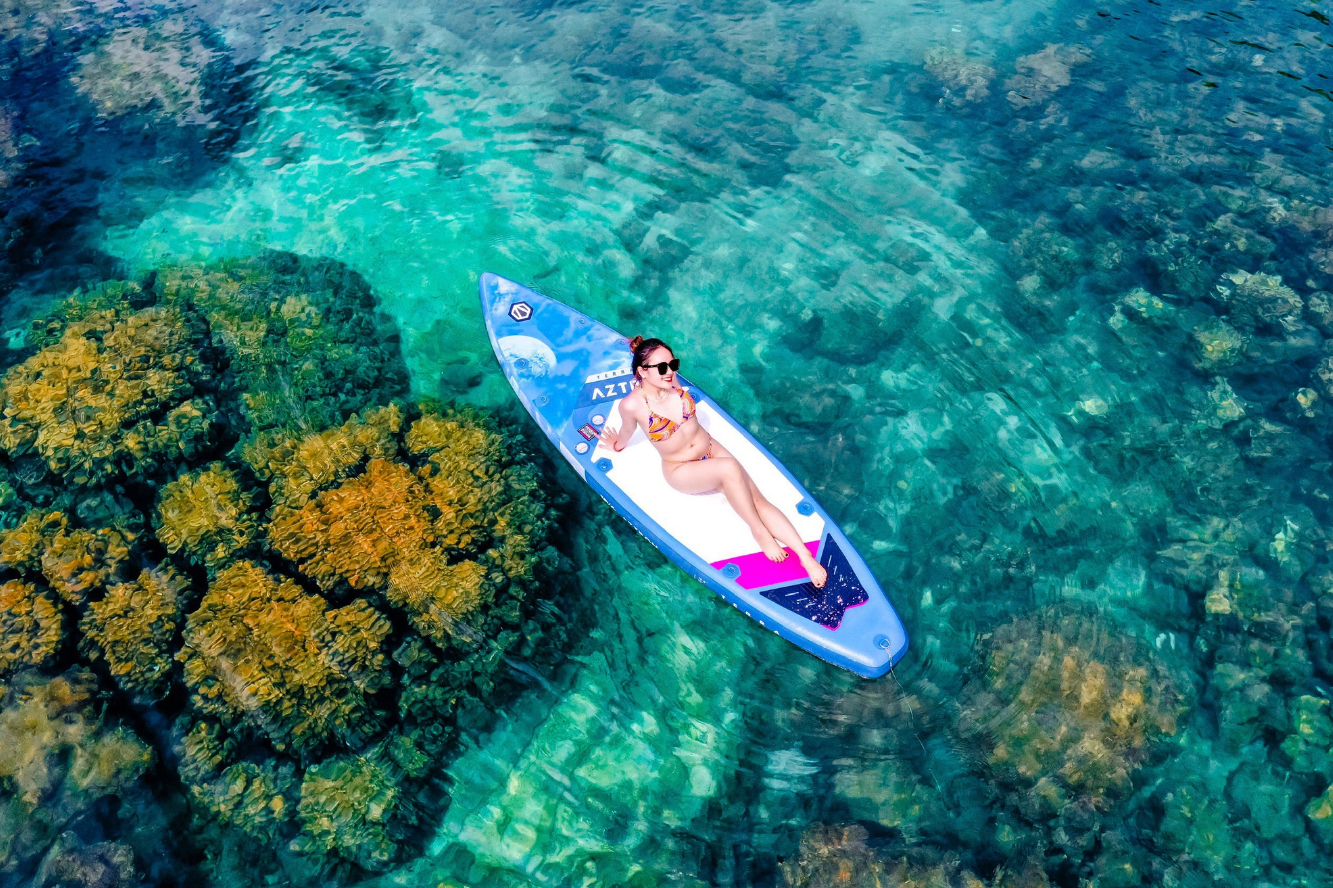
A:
[818, 575]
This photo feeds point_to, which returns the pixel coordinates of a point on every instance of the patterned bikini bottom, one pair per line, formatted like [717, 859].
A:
[697, 458]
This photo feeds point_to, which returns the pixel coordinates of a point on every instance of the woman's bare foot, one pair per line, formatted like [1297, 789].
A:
[818, 575]
[771, 547]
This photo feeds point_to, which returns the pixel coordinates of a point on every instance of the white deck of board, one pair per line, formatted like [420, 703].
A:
[704, 523]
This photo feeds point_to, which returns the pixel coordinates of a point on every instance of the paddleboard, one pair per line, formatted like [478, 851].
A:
[571, 372]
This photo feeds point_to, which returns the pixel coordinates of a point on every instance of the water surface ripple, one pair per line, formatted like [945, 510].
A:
[1033, 296]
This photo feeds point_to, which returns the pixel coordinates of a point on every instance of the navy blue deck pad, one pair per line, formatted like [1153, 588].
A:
[823, 606]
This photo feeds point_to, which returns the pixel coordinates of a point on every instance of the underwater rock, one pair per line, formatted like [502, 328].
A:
[1220, 405]
[208, 515]
[1319, 311]
[1178, 266]
[133, 628]
[1310, 746]
[832, 855]
[117, 110]
[884, 792]
[1195, 826]
[1141, 305]
[1049, 253]
[962, 81]
[1320, 812]
[1218, 345]
[1323, 377]
[158, 65]
[1260, 302]
[71, 864]
[1039, 76]
[839, 855]
[31, 627]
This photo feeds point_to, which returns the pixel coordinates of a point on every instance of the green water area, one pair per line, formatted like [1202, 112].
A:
[1035, 298]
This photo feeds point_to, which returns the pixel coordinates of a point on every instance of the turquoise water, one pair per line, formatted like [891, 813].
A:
[1031, 296]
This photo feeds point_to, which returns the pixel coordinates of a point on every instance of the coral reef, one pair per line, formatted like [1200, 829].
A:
[402, 531]
[31, 627]
[76, 562]
[344, 808]
[56, 762]
[297, 467]
[305, 337]
[262, 649]
[222, 401]
[208, 515]
[133, 628]
[121, 392]
[1069, 707]
[253, 798]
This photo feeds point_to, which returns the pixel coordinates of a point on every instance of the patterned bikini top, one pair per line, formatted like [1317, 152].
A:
[660, 427]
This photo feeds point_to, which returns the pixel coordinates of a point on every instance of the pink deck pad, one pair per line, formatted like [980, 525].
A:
[758, 571]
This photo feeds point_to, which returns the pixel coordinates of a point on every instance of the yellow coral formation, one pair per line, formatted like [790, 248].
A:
[91, 404]
[133, 628]
[21, 547]
[462, 476]
[345, 803]
[299, 467]
[76, 562]
[203, 751]
[436, 594]
[30, 627]
[359, 530]
[251, 797]
[263, 649]
[1069, 702]
[208, 515]
[375, 532]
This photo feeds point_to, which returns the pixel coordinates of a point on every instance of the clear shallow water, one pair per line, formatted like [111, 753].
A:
[957, 264]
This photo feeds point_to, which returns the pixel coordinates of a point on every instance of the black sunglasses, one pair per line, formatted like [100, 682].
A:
[674, 364]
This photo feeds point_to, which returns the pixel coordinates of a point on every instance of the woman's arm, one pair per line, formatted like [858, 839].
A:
[617, 438]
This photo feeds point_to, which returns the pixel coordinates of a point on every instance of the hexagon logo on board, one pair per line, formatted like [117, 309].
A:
[520, 311]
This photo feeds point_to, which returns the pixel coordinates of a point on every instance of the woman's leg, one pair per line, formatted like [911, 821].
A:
[762, 517]
[725, 472]
[781, 528]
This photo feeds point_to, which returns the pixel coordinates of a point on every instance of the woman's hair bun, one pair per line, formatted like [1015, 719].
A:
[635, 343]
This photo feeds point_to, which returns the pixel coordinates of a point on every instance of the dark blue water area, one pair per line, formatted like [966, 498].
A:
[1035, 298]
